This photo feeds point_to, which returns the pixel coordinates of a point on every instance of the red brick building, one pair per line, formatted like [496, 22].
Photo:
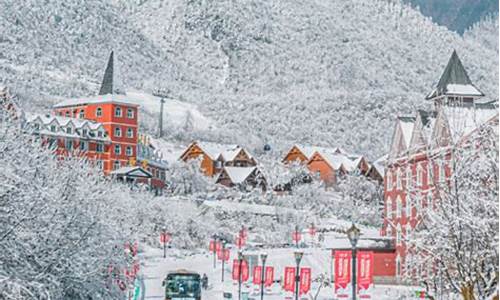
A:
[419, 158]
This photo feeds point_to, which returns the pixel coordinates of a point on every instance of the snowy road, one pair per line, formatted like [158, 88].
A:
[155, 268]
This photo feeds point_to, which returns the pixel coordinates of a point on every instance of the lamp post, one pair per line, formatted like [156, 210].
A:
[263, 258]
[214, 238]
[164, 233]
[240, 260]
[298, 257]
[223, 256]
[353, 235]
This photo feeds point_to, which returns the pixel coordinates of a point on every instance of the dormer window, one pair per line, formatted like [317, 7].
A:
[98, 112]
[130, 113]
[69, 130]
[118, 112]
[53, 128]
[84, 132]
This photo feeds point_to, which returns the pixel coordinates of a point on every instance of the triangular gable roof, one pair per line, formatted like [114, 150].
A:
[107, 80]
[237, 175]
[455, 80]
[136, 171]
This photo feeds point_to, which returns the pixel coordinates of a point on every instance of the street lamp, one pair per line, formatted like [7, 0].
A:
[263, 258]
[240, 260]
[353, 235]
[298, 257]
[223, 256]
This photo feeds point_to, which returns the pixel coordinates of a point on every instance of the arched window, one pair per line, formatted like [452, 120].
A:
[398, 234]
[98, 112]
[420, 175]
[130, 113]
[128, 151]
[389, 207]
[409, 179]
[399, 205]
[118, 112]
[118, 149]
[82, 114]
[398, 180]
[118, 132]
[130, 133]
[408, 206]
[116, 165]
[389, 180]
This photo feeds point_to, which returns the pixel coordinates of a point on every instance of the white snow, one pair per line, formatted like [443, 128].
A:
[258, 209]
[108, 98]
[464, 120]
[175, 111]
[461, 89]
[407, 130]
[239, 174]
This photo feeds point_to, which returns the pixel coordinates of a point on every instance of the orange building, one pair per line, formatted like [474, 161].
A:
[215, 156]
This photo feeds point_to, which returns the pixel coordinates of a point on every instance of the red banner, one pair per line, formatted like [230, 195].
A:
[342, 269]
[312, 231]
[223, 254]
[296, 236]
[305, 280]
[257, 275]
[269, 276]
[289, 279]
[244, 270]
[211, 247]
[164, 237]
[365, 269]
[240, 242]
[218, 246]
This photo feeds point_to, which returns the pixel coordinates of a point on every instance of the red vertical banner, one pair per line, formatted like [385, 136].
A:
[240, 242]
[342, 273]
[236, 269]
[257, 275]
[164, 237]
[245, 272]
[365, 260]
[226, 255]
[218, 246]
[296, 236]
[269, 276]
[289, 279]
[211, 247]
[305, 280]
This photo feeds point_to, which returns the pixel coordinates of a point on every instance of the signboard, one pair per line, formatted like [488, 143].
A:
[342, 288]
[364, 280]
[305, 280]
[269, 276]
[289, 279]
[257, 275]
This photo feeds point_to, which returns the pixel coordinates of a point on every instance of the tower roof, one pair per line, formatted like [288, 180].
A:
[107, 80]
[455, 80]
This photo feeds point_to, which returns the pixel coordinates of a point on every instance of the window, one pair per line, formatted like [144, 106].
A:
[398, 180]
[398, 235]
[130, 133]
[418, 202]
[83, 146]
[389, 180]
[82, 114]
[389, 230]
[52, 143]
[118, 149]
[99, 133]
[84, 132]
[429, 200]
[128, 151]
[53, 128]
[99, 164]
[408, 206]
[389, 207]
[419, 175]
[218, 164]
[399, 205]
[98, 112]
[99, 148]
[130, 113]
[441, 172]
[118, 112]
[69, 130]
[398, 265]
[67, 114]
[118, 132]
[116, 165]
[69, 144]
[409, 179]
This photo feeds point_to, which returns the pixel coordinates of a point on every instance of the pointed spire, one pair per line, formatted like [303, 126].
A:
[107, 80]
[454, 74]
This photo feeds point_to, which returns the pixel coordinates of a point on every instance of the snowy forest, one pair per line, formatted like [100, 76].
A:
[261, 74]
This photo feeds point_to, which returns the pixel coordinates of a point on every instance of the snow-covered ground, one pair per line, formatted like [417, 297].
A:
[155, 268]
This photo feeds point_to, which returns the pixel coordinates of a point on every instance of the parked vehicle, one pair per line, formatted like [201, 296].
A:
[182, 284]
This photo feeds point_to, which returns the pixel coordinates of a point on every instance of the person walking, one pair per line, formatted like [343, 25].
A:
[204, 281]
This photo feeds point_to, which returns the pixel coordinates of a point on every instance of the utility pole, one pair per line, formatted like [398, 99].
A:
[163, 94]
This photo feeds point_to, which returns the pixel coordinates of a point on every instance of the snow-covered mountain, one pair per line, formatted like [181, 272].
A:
[279, 72]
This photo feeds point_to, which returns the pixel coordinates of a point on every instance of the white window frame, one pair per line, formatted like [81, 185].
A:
[119, 148]
[53, 128]
[389, 207]
[118, 112]
[99, 164]
[69, 130]
[81, 114]
[420, 175]
[98, 112]
[408, 205]
[130, 132]
[389, 180]
[398, 234]
[116, 165]
[99, 148]
[409, 177]
[399, 204]
[129, 151]
[398, 179]
[118, 132]
[441, 172]
[83, 146]
[130, 113]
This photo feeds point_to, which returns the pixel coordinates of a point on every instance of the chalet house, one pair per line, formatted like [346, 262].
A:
[216, 156]
[302, 153]
[420, 157]
[242, 177]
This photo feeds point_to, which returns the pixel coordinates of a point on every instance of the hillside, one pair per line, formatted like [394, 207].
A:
[331, 73]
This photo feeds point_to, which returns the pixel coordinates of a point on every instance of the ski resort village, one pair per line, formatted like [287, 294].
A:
[205, 151]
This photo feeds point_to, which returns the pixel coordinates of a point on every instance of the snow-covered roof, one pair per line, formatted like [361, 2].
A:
[214, 150]
[464, 120]
[257, 209]
[308, 151]
[380, 163]
[407, 124]
[132, 171]
[108, 98]
[344, 243]
[239, 174]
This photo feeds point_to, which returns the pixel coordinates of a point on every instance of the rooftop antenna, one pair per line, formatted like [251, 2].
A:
[163, 94]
